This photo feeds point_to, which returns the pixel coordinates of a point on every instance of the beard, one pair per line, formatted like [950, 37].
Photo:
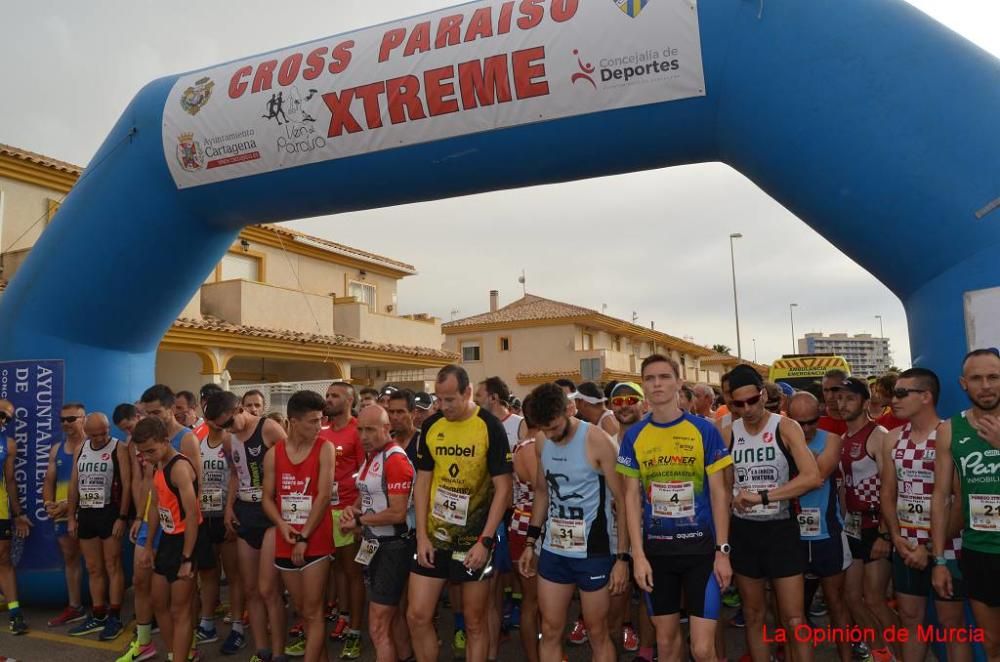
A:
[985, 406]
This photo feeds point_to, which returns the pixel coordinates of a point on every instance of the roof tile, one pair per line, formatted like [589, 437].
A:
[40, 159]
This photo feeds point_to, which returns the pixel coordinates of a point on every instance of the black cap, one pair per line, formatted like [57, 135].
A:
[423, 400]
[515, 402]
[386, 391]
[858, 386]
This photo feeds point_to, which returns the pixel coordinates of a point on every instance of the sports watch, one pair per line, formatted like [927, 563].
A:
[725, 548]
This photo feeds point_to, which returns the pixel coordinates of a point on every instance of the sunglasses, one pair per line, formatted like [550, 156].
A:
[228, 424]
[810, 422]
[749, 402]
[625, 400]
[69, 419]
[900, 393]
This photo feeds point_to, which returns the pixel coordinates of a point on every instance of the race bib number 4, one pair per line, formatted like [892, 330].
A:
[984, 511]
[809, 522]
[914, 511]
[451, 507]
[295, 508]
[367, 551]
[568, 535]
[674, 499]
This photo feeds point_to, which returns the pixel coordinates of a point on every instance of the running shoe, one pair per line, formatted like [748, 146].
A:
[818, 607]
[883, 655]
[112, 628]
[737, 621]
[205, 636]
[332, 612]
[296, 630]
[296, 646]
[68, 615]
[233, 643]
[861, 652]
[137, 653]
[731, 598]
[578, 635]
[340, 629]
[352, 647]
[630, 640]
[17, 624]
[458, 642]
[89, 626]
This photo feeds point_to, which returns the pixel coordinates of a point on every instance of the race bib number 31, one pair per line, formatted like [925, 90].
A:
[568, 535]
[984, 511]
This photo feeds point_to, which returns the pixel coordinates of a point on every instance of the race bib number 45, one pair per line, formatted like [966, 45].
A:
[451, 507]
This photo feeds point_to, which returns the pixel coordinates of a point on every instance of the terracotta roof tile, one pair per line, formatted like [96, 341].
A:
[40, 159]
[214, 324]
[340, 249]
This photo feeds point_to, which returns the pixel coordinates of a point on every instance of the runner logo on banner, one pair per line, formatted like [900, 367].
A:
[477, 67]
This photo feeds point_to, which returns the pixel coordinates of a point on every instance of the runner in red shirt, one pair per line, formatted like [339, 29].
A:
[832, 421]
[341, 431]
[297, 474]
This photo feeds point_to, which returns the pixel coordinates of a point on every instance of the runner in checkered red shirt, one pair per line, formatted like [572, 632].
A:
[907, 470]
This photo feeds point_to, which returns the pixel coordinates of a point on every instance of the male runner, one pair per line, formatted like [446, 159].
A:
[99, 501]
[55, 494]
[19, 524]
[773, 466]
[253, 402]
[833, 419]
[382, 516]
[580, 549]
[423, 408]
[907, 474]
[462, 490]
[591, 404]
[970, 457]
[297, 476]
[677, 503]
[405, 433]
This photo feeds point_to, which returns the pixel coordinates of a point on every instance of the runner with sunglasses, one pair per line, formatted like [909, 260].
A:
[773, 466]
[970, 456]
[19, 524]
[252, 437]
[821, 527]
[869, 574]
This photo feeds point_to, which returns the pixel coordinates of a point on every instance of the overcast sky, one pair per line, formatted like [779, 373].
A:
[71, 68]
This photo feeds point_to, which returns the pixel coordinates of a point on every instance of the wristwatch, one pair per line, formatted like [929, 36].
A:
[884, 535]
[940, 560]
[725, 548]
[623, 556]
[764, 498]
[487, 542]
[300, 538]
[186, 559]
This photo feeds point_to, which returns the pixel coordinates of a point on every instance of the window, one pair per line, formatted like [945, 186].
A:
[470, 352]
[236, 266]
[504, 344]
[588, 341]
[616, 344]
[365, 293]
[590, 370]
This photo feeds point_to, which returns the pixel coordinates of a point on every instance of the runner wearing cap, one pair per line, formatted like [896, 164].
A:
[628, 402]
[515, 405]
[384, 393]
[590, 402]
[970, 456]
[569, 388]
[423, 408]
[773, 466]
[868, 576]
[907, 488]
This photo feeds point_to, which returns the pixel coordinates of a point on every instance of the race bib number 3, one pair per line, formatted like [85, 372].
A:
[984, 511]
[914, 511]
[809, 520]
[568, 535]
[295, 508]
[674, 499]
[451, 507]
[367, 551]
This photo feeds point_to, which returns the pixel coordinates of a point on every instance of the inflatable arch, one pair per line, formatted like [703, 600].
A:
[868, 120]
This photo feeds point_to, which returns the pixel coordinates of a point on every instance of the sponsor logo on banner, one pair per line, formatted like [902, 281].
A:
[477, 67]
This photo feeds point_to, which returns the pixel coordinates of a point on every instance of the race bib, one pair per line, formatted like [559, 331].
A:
[212, 501]
[93, 498]
[984, 511]
[852, 525]
[451, 507]
[251, 494]
[295, 508]
[809, 521]
[568, 535]
[367, 502]
[334, 494]
[366, 552]
[914, 511]
[674, 499]
[166, 520]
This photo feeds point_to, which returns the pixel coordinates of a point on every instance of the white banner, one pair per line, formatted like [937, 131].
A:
[477, 67]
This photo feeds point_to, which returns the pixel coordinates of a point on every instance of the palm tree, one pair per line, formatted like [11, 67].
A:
[722, 349]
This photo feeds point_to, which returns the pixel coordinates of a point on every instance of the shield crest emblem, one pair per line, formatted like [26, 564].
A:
[631, 7]
[196, 96]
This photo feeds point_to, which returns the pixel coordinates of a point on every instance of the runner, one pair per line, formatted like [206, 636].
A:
[253, 402]
[216, 474]
[907, 474]
[591, 404]
[99, 500]
[181, 552]
[186, 410]
[821, 527]
[423, 408]
[569, 388]
[868, 576]
[685, 398]
[773, 466]
[297, 477]
[367, 396]
[342, 432]
[158, 402]
[628, 402]
[462, 489]
[882, 390]
[251, 438]
[525, 470]
[581, 548]
[382, 515]
[704, 401]
[833, 420]
[19, 524]
[677, 503]
[970, 456]
[402, 406]
[55, 494]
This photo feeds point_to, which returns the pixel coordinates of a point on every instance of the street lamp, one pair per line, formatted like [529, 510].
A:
[754, 350]
[881, 330]
[791, 316]
[736, 305]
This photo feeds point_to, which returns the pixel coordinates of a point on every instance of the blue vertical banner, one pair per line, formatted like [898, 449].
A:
[36, 390]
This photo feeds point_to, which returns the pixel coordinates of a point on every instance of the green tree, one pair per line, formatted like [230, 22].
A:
[722, 349]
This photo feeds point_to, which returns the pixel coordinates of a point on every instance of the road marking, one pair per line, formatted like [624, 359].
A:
[114, 646]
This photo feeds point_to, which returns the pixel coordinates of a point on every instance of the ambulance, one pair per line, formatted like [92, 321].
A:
[803, 370]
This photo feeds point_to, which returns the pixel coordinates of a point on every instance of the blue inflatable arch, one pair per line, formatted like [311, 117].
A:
[868, 120]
